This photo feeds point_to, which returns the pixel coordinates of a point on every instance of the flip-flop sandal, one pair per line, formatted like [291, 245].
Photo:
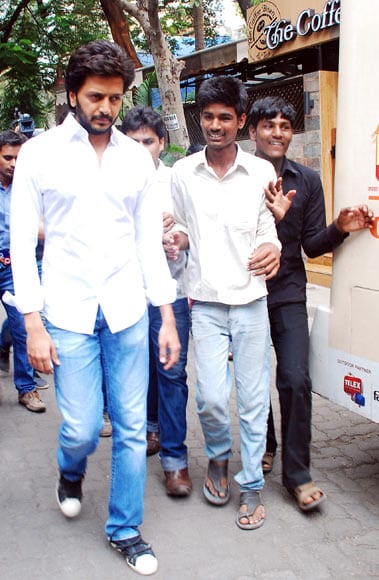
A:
[216, 471]
[253, 500]
[268, 461]
[303, 492]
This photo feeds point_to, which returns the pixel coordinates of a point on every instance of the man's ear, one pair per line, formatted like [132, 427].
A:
[72, 99]
[242, 121]
[161, 144]
[253, 133]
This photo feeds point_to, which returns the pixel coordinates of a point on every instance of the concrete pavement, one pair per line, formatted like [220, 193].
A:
[191, 538]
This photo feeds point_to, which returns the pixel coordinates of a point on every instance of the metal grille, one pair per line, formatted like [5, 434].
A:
[291, 90]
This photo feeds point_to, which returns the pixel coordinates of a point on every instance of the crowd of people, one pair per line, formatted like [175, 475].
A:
[134, 256]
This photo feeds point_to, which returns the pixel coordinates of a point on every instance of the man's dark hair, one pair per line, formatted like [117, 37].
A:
[227, 90]
[138, 117]
[101, 58]
[11, 138]
[269, 108]
[194, 148]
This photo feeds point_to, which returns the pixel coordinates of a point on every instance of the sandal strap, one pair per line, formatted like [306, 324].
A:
[305, 490]
[252, 499]
[216, 471]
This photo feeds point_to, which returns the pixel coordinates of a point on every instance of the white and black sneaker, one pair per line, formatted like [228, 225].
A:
[69, 496]
[138, 554]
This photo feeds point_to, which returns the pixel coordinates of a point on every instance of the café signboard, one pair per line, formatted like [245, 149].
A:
[277, 27]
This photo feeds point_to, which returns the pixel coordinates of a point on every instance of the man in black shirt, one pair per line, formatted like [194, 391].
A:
[303, 226]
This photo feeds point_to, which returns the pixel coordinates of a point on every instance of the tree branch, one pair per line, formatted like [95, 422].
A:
[6, 28]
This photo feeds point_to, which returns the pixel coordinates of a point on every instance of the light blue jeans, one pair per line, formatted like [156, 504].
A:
[78, 380]
[213, 325]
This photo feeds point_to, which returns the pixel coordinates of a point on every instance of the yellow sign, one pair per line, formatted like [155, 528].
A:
[280, 26]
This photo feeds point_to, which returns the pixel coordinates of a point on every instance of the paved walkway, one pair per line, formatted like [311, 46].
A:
[192, 539]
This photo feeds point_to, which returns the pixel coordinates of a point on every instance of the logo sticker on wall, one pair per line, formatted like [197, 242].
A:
[353, 386]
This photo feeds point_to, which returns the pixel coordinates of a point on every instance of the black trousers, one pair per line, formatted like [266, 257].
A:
[290, 337]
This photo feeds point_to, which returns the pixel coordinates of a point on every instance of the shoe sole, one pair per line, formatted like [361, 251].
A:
[70, 513]
[42, 387]
[149, 572]
[152, 570]
[216, 500]
[32, 410]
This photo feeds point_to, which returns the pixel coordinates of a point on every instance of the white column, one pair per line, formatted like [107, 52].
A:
[345, 336]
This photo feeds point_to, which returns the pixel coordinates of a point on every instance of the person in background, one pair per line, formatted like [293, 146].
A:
[301, 224]
[168, 390]
[5, 347]
[97, 275]
[23, 373]
[221, 216]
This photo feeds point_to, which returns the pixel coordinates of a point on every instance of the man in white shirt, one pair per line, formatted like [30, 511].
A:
[103, 258]
[220, 213]
[168, 390]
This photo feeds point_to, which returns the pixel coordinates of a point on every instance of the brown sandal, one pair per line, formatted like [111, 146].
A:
[305, 491]
[268, 461]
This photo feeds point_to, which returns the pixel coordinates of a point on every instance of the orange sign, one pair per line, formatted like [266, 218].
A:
[280, 26]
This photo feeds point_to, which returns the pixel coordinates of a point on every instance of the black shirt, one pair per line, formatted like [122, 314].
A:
[304, 226]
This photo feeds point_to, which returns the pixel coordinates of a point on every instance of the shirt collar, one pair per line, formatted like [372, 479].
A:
[239, 162]
[74, 131]
[288, 167]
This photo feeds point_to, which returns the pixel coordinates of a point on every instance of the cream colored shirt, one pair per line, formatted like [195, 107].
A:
[177, 267]
[103, 230]
[226, 220]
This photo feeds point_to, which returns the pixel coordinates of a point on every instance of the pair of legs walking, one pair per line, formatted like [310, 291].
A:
[290, 337]
[23, 373]
[213, 325]
[167, 401]
[123, 357]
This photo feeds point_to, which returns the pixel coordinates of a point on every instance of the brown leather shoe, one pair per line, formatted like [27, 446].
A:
[32, 401]
[178, 482]
[153, 443]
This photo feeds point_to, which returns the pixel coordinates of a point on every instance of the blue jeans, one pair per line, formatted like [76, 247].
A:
[172, 389]
[213, 326]
[78, 382]
[23, 374]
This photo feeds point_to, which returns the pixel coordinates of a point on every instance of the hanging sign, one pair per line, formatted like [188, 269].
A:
[283, 26]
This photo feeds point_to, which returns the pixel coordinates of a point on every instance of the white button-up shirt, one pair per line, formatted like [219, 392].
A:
[226, 220]
[177, 267]
[103, 230]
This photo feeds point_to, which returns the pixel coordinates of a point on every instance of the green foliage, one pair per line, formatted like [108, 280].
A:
[171, 154]
[142, 94]
[45, 32]
[176, 20]
[42, 36]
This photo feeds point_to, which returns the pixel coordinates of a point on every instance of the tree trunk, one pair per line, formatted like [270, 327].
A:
[168, 74]
[244, 5]
[167, 67]
[198, 25]
[119, 28]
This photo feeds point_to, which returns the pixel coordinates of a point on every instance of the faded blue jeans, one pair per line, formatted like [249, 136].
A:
[213, 326]
[78, 382]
